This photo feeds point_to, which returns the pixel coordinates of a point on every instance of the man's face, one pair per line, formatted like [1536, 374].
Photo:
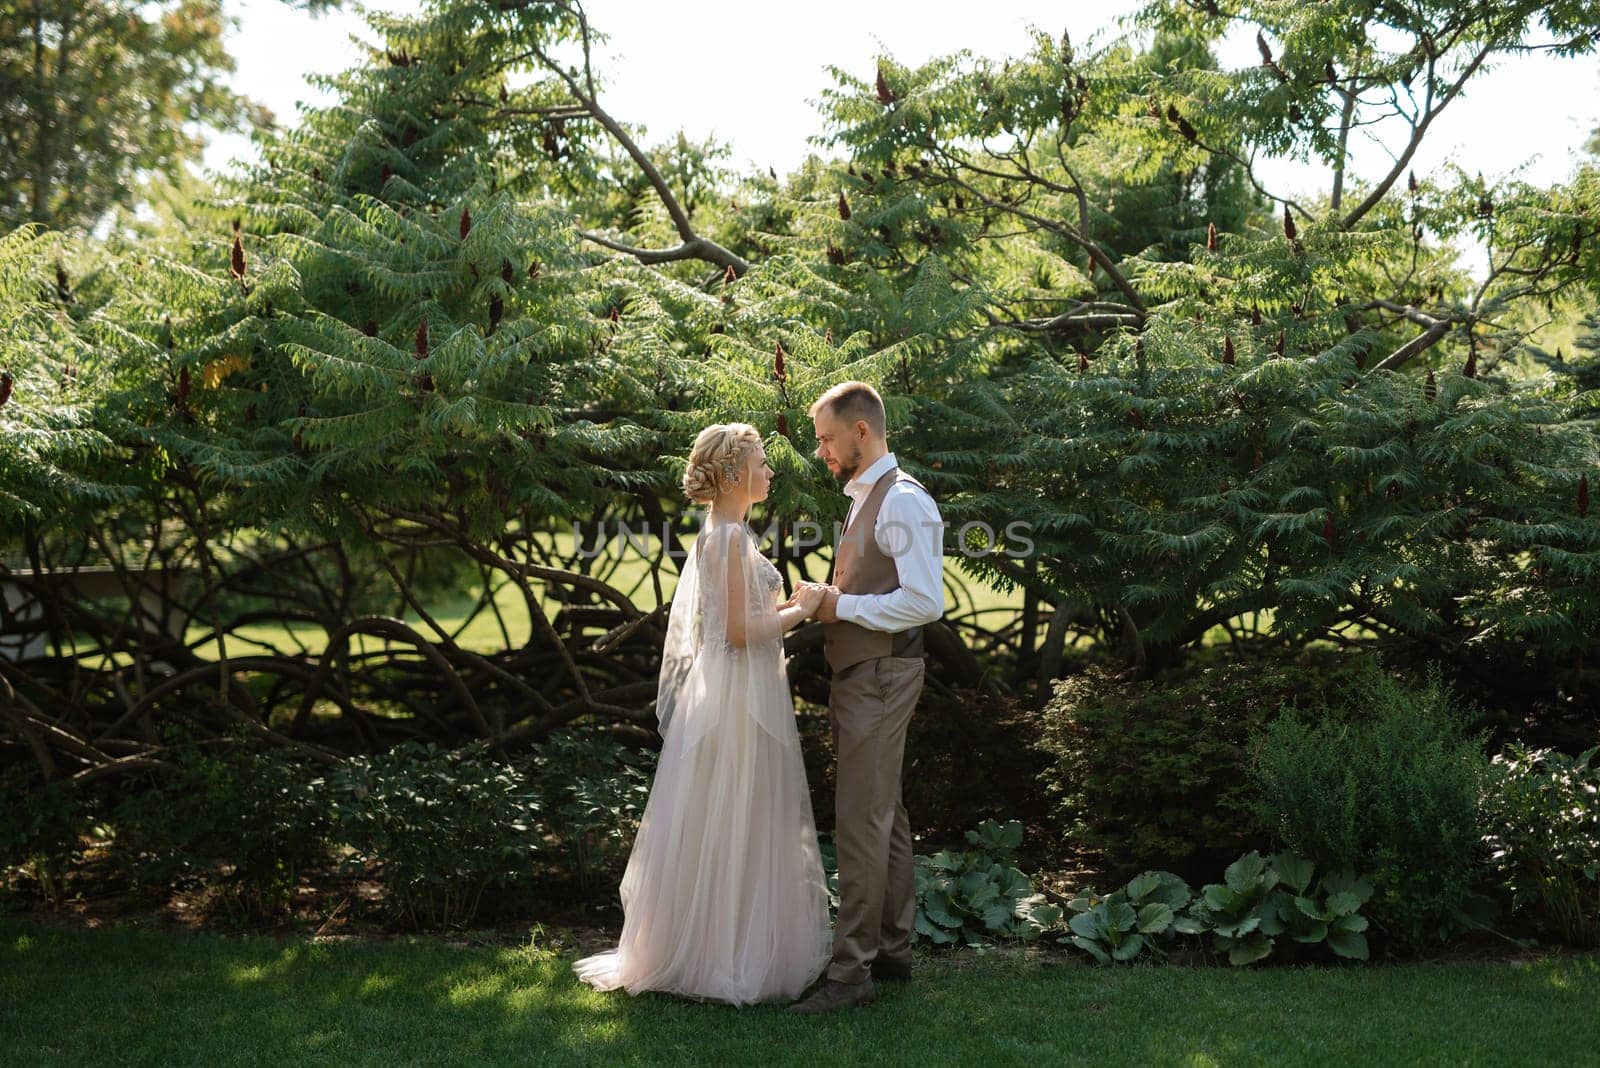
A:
[838, 445]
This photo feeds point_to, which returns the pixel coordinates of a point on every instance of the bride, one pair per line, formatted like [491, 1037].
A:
[724, 895]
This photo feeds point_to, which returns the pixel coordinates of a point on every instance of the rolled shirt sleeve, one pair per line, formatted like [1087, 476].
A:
[911, 533]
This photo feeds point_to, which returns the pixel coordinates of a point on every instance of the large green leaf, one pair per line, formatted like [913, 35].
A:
[1141, 886]
[932, 932]
[1129, 948]
[1350, 924]
[1242, 951]
[1118, 915]
[1293, 871]
[938, 907]
[1351, 944]
[1086, 925]
[998, 914]
[1155, 918]
[1348, 882]
[1089, 946]
[1246, 873]
[977, 891]
[1342, 903]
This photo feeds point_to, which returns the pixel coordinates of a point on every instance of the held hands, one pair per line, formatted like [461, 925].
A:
[806, 597]
[827, 599]
[816, 600]
[826, 610]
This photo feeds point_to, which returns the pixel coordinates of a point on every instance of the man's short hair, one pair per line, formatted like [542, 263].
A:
[850, 401]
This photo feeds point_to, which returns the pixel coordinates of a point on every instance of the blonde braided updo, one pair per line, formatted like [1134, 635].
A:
[718, 460]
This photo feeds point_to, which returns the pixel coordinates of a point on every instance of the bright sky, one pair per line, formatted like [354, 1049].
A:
[747, 74]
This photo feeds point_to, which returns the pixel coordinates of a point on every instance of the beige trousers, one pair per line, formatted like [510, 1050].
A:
[870, 706]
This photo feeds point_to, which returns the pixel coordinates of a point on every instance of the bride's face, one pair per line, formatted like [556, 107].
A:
[758, 475]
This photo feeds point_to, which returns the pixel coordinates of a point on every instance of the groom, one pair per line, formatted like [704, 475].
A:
[887, 584]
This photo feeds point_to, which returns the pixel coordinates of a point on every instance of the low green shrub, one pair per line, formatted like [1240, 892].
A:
[226, 816]
[246, 821]
[1155, 773]
[977, 895]
[1542, 822]
[592, 792]
[42, 832]
[1126, 922]
[441, 824]
[1390, 788]
[1258, 901]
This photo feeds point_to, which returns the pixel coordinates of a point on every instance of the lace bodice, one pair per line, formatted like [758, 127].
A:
[764, 586]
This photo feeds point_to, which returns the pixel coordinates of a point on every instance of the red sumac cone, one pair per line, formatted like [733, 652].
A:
[885, 94]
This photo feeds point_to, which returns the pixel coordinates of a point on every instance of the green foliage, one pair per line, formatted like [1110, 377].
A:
[977, 895]
[1263, 419]
[441, 824]
[1156, 773]
[1121, 925]
[1542, 822]
[52, 447]
[1260, 900]
[246, 821]
[102, 92]
[592, 793]
[1391, 789]
[42, 833]
[1257, 901]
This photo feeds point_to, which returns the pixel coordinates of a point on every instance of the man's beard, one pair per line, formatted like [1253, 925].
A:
[848, 468]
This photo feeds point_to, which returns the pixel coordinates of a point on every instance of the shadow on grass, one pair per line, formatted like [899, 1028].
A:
[135, 996]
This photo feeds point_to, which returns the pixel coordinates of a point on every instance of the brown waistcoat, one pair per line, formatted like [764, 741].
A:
[859, 566]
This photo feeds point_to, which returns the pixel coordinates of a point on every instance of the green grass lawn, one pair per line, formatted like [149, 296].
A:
[139, 996]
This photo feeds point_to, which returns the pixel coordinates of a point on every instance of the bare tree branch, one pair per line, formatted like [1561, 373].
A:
[694, 246]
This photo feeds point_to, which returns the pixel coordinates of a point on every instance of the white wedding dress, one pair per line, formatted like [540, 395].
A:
[724, 896]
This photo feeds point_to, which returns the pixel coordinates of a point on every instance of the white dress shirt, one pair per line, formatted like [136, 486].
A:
[910, 532]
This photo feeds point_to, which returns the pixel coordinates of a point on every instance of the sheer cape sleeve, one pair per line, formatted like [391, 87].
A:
[724, 649]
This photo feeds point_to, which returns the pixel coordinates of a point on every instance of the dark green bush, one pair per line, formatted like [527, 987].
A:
[441, 824]
[1155, 774]
[1392, 789]
[247, 821]
[43, 827]
[1542, 817]
[592, 792]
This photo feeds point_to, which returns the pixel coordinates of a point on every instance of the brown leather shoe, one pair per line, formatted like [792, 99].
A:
[886, 970]
[833, 994]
